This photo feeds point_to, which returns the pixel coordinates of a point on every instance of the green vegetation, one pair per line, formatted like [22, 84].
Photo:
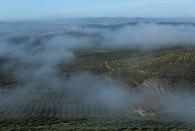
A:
[59, 110]
[171, 67]
[7, 78]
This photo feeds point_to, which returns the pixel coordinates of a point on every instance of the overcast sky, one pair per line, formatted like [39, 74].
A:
[41, 9]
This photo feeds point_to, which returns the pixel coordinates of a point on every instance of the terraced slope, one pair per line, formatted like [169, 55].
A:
[160, 70]
[171, 67]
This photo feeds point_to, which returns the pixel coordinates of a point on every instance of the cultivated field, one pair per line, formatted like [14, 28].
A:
[159, 71]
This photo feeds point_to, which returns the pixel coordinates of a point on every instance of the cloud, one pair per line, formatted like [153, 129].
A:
[35, 61]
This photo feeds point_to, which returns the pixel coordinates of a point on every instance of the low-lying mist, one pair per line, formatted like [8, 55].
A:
[33, 53]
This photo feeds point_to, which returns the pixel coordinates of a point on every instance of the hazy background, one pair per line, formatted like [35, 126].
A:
[44, 9]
